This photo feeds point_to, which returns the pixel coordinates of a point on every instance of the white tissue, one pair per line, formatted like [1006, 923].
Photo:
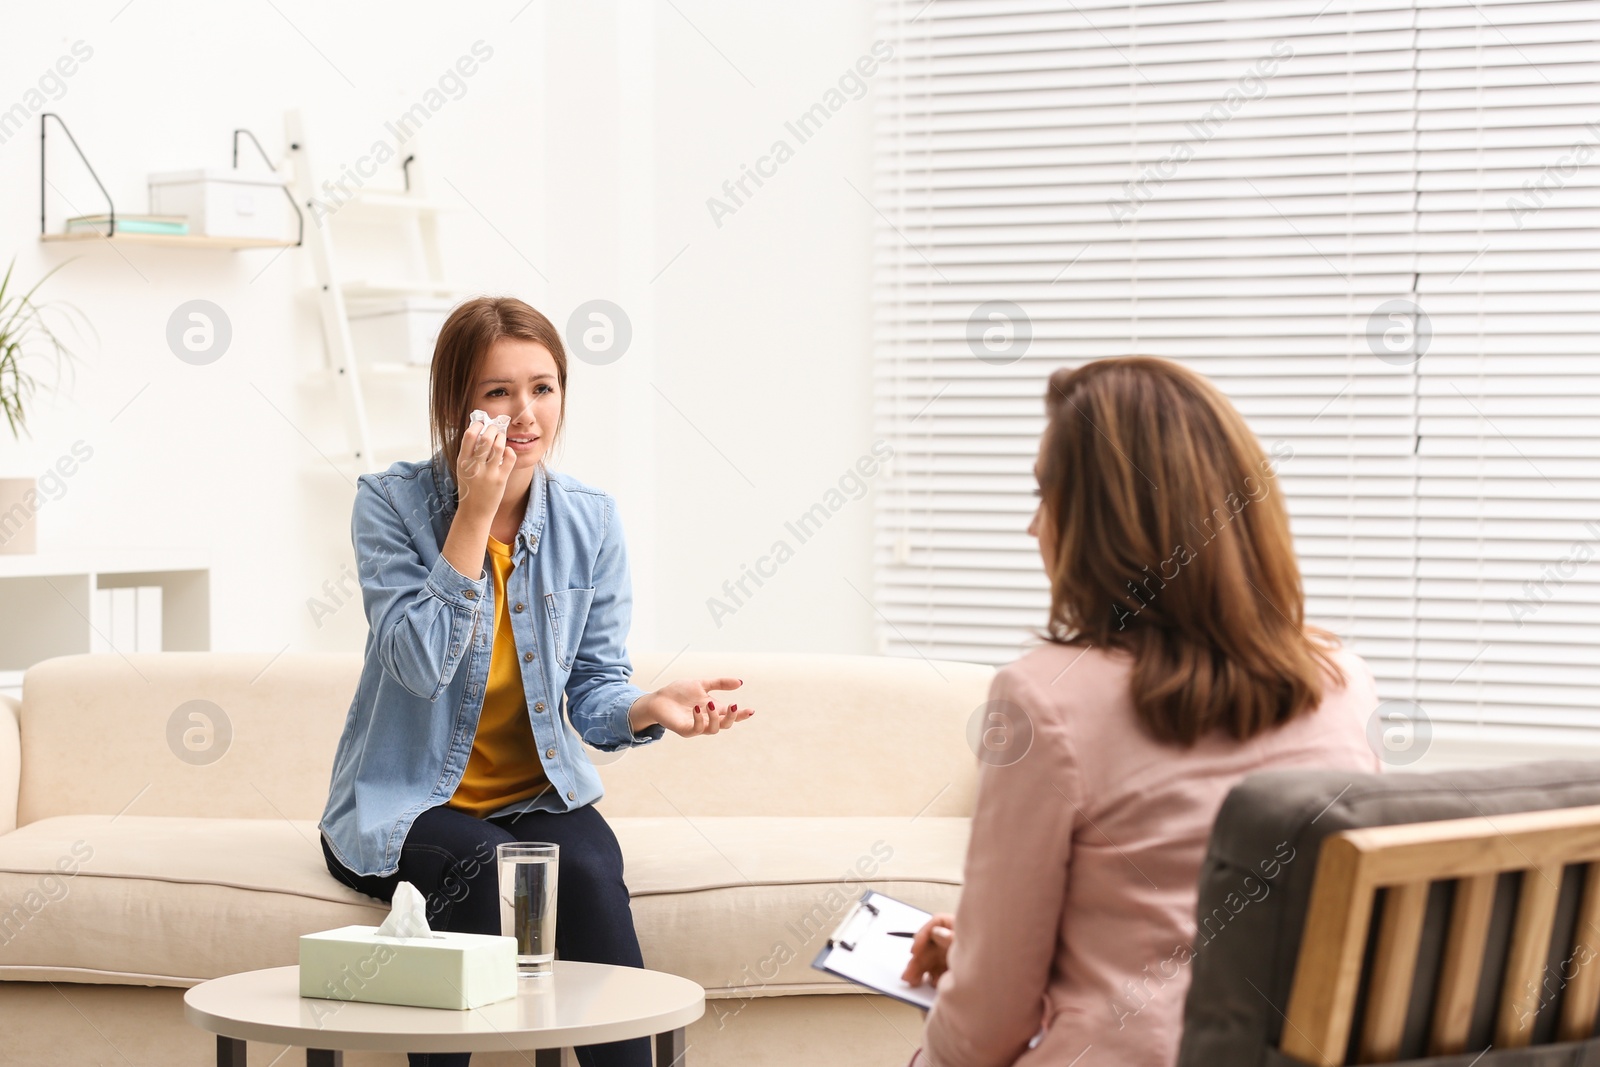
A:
[499, 422]
[408, 914]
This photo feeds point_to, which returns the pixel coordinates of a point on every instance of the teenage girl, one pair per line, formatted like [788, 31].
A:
[498, 600]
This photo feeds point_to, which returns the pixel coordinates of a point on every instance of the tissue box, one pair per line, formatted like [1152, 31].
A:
[445, 970]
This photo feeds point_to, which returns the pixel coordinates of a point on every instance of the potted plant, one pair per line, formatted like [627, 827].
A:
[24, 330]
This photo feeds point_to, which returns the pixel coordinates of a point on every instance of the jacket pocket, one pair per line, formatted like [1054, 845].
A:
[568, 610]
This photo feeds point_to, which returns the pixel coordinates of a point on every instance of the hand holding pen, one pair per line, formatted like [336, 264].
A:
[930, 950]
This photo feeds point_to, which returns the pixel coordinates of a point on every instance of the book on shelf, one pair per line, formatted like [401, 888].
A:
[101, 224]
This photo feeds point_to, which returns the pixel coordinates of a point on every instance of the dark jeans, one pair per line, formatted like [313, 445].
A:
[449, 856]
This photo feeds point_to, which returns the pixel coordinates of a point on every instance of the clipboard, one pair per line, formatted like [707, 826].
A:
[868, 947]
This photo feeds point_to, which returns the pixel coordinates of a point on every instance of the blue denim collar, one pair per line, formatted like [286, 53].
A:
[533, 518]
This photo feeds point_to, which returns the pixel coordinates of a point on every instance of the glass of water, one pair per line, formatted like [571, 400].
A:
[528, 903]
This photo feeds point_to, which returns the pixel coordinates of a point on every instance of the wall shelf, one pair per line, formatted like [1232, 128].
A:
[174, 240]
[171, 240]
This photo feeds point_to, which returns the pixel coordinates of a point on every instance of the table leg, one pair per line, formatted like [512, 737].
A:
[230, 1052]
[323, 1057]
[672, 1049]
[547, 1057]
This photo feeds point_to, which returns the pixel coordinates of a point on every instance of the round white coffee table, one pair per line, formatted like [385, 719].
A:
[579, 1004]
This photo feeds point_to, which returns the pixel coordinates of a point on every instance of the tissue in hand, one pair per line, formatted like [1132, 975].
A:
[499, 422]
[402, 961]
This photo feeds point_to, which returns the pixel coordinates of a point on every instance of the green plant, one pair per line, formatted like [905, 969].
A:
[22, 327]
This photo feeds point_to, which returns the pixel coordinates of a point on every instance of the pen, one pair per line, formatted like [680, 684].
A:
[913, 933]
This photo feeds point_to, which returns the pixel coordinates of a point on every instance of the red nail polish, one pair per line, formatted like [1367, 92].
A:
[697, 709]
[734, 708]
[711, 705]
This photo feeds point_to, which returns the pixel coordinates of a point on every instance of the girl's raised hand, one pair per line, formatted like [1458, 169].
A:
[483, 466]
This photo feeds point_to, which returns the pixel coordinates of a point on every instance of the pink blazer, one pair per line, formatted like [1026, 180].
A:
[1081, 873]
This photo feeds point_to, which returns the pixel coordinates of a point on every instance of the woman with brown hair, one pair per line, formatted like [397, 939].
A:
[1177, 660]
[498, 601]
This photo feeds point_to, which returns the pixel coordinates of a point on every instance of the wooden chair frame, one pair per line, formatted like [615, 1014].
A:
[1406, 860]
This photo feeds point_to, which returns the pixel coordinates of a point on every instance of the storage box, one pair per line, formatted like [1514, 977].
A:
[223, 203]
[446, 970]
[397, 329]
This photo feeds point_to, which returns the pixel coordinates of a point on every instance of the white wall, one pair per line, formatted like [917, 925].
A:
[584, 152]
[758, 382]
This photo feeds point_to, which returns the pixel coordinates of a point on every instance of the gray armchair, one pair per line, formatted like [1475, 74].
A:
[1446, 919]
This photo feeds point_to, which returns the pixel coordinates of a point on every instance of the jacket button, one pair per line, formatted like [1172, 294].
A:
[571, 795]
[517, 608]
[470, 594]
[527, 657]
[550, 753]
[539, 706]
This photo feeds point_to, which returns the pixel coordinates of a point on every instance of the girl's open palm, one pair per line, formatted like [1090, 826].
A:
[687, 708]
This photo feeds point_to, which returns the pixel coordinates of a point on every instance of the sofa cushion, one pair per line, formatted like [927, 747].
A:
[739, 904]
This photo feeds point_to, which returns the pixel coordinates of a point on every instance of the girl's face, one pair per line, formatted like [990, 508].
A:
[518, 378]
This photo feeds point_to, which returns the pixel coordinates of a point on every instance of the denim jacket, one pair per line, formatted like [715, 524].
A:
[410, 728]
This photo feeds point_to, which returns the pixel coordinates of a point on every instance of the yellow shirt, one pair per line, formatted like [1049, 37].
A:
[504, 766]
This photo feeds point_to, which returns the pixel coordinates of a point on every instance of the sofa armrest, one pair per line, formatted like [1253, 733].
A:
[10, 761]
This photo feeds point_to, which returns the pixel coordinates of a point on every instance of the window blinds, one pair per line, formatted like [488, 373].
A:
[1372, 222]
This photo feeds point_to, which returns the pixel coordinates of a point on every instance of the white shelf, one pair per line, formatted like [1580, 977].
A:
[384, 200]
[115, 561]
[413, 217]
[53, 603]
[365, 288]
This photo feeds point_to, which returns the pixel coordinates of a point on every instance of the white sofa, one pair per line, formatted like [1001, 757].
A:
[129, 873]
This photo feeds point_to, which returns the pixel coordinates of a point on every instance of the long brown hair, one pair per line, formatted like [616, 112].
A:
[1172, 543]
[463, 339]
